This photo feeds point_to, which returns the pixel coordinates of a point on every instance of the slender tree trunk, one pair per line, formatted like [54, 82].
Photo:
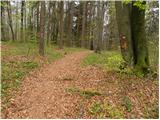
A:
[70, 22]
[61, 25]
[10, 19]
[22, 19]
[99, 27]
[42, 29]
[141, 60]
[83, 25]
[3, 38]
[16, 29]
[38, 27]
[49, 24]
[124, 28]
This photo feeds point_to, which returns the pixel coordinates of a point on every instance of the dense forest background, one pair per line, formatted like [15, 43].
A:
[92, 25]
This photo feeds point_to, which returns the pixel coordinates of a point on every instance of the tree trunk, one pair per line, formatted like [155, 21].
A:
[49, 24]
[83, 25]
[100, 17]
[10, 19]
[141, 60]
[37, 20]
[3, 38]
[42, 29]
[61, 25]
[22, 13]
[124, 28]
[132, 35]
[70, 23]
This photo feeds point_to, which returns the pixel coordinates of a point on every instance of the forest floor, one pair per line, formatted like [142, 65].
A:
[67, 89]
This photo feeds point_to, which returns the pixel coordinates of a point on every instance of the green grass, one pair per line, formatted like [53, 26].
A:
[83, 93]
[108, 60]
[126, 102]
[105, 110]
[73, 49]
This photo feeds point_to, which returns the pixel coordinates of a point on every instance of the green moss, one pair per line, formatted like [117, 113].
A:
[95, 108]
[126, 102]
[105, 110]
[83, 93]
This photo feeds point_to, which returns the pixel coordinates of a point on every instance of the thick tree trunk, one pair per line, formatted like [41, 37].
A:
[42, 29]
[141, 60]
[124, 28]
[132, 35]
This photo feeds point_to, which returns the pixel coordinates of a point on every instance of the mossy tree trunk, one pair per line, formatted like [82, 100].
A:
[132, 34]
[124, 28]
[140, 48]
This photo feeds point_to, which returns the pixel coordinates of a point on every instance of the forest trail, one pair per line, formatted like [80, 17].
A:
[43, 93]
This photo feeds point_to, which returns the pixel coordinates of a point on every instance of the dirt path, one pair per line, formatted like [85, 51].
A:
[43, 93]
[51, 92]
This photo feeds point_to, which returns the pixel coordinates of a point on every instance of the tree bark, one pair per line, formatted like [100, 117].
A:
[10, 19]
[22, 19]
[83, 25]
[42, 29]
[124, 28]
[61, 25]
[132, 35]
[37, 20]
[49, 24]
[140, 48]
[100, 20]
[70, 23]
[3, 38]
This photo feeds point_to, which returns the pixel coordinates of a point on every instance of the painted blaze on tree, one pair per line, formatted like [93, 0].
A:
[136, 44]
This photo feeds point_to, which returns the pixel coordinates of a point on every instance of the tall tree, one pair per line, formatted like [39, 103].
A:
[140, 48]
[83, 24]
[70, 22]
[22, 19]
[124, 28]
[61, 24]
[132, 34]
[99, 22]
[37, 22]
[42, 28]
[3, 21]
[49, 23]
[9, 11]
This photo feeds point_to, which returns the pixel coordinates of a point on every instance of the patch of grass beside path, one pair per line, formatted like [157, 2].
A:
[18, 59]
[108, 60]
